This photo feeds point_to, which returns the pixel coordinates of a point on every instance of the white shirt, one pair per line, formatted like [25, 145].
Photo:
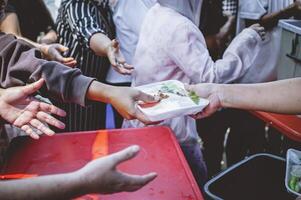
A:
[128, 16]
[264, 67]
[53, 7]
[171, 47]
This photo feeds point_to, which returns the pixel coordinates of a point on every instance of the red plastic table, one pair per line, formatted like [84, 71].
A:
[70, 151]
[289, 125]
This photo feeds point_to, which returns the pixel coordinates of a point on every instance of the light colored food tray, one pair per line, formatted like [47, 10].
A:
[176, 101]
[293, 171]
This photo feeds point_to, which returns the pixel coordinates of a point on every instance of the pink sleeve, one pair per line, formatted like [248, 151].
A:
[188, 50]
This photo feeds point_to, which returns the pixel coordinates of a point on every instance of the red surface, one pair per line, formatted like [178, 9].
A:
[67, 152]
[289, 125]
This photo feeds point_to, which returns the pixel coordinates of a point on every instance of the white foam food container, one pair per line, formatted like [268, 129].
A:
[293, 158]
[178, 103]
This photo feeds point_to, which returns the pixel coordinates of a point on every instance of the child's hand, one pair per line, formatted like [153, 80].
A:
[259, 29]
[117, 60]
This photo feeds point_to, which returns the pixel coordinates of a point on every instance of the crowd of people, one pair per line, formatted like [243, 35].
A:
[60, 66]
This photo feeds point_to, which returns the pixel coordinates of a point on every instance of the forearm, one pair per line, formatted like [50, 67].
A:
[100, 43]
[63, 186]
[279, 97]
[100, 92]
[271, 20]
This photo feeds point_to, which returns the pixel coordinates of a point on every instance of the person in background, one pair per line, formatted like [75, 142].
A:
[220, 33]
[218, 36]
[23, 23]
[278, 97]
[248, 134]
[267, 13]
[128, 25]
[253, 139]
[181, 54]
[87, 29]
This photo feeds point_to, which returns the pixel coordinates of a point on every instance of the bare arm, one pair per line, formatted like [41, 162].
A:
[98, 176]
[271, 20]
[278, 97]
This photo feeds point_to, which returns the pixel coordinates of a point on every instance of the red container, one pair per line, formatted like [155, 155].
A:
[67, 152]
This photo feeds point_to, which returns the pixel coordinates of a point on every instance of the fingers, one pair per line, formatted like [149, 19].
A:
[71, 63]
[23, 119]
[260, 30]
[135, 182]
[29, 131]
[51, 109]
[33, 87]
[115, 44]
[125, 155]
[62, 48]
[41, 127]
[141, 117]
[189, 87]
[50, 120]
[122, 70]
[146, 98]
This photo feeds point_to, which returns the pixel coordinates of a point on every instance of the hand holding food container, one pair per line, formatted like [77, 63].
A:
[175, 101]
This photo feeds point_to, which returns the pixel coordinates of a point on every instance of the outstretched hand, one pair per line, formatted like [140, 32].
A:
[117, 59]
[54, 52]
[21, 109]
[102, 176]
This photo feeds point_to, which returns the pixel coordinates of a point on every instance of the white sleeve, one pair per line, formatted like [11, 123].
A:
[188, 50]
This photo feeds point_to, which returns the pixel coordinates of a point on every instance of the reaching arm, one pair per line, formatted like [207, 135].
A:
[98, 176]
[21, 65]
[278, 97]
[188, 50]
[82, 18]
[10, 25]
[271, 20]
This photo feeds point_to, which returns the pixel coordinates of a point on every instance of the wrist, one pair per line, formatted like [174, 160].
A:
[101, 92]
[220, 91]
[78, 183]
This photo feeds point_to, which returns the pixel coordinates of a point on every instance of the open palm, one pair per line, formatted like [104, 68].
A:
[21, 109]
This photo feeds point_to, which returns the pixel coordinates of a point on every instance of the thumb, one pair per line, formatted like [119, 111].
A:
[115, 44]
[62, 48]
[146, 98]
[33, 87]
[189, 87]
[125, 154]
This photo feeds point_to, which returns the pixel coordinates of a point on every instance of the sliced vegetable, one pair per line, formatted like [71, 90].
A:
[194, 97]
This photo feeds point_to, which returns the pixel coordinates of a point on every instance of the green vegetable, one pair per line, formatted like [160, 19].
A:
[194, 97]
[297, 187]
[293, 183]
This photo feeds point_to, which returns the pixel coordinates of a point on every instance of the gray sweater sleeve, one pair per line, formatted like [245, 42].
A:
[21, 64]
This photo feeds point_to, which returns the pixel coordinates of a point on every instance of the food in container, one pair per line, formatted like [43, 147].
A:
[293, 171]
[175, 101]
